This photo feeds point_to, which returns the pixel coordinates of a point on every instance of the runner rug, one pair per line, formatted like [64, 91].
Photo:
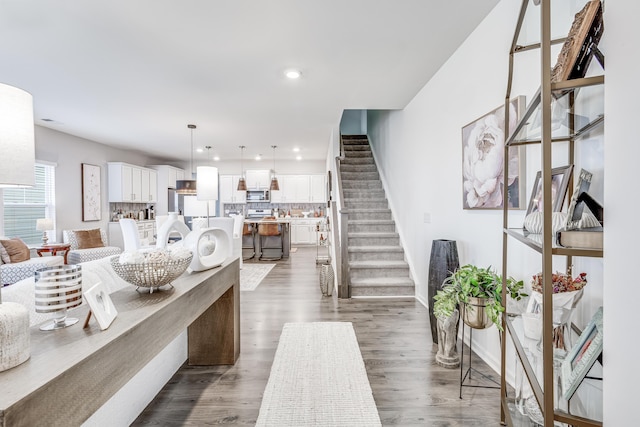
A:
[252, 274]
[318, 379]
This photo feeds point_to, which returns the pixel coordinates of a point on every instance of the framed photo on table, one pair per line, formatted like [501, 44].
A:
[101, 305]
[559, 182]
[582, 355]
[91, 195]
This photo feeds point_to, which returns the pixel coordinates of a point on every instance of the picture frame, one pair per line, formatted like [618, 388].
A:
[582, 356]
[483, 145]
[581, 43]
[560, 178]
[91, 193]
[575, 210]
[101, 305]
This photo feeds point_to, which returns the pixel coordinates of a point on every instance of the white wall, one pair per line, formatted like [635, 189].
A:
[354, 122]
[419, 153]
[69, 152]
[621, 371]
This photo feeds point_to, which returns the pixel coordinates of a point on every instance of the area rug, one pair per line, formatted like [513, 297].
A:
[318, 379]
[252, 274]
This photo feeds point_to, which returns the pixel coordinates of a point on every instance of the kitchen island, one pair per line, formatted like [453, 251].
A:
[253, 239]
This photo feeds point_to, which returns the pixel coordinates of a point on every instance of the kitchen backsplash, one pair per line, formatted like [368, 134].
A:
[283, 208]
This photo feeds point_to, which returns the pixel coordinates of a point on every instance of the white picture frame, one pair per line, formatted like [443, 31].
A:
[91, 193]
[101, 305]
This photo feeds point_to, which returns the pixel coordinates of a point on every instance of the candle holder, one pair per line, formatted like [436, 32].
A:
[58, 289]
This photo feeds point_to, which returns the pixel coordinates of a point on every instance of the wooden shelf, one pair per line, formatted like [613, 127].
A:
[534, 241]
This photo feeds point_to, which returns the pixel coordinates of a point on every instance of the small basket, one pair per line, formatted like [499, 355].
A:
[151, 274]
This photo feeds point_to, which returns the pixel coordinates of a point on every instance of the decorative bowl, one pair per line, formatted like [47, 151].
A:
[155, 271]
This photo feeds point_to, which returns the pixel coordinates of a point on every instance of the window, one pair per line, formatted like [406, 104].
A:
[23, 206]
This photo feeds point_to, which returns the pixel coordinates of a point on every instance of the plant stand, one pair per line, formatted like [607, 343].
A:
[470, 369]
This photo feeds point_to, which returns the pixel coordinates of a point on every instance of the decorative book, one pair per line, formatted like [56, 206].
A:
[585, 238]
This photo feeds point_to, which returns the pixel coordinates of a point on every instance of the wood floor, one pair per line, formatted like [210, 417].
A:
[394, 337]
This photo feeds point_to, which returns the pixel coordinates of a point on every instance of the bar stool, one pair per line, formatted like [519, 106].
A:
[270, 239]
[248, 241]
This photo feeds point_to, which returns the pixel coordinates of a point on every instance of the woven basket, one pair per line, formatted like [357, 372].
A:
[151, 275]
[326, 279]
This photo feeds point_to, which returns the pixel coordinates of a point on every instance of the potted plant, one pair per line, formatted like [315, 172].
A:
[479, 291]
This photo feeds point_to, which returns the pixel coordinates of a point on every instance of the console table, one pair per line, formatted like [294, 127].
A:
[73, 372]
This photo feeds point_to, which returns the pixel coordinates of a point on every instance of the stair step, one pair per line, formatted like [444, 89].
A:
[354, 139]
[380, 253]
[372, 184]
[361, 147]
[358, 168]
[366, 204]
[364, 214]
[355, 154]
[367, 176]
[363, 194]
[378, 269]
[372, 226]
[383, 286]
[373, 239]
[357, 160]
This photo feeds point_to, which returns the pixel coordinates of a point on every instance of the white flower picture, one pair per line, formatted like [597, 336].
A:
[91, 196]
[483, 159]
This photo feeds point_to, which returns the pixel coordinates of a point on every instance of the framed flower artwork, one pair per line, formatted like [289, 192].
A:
[483, 145]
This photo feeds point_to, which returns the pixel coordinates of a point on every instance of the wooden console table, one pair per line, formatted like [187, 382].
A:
[72, 372]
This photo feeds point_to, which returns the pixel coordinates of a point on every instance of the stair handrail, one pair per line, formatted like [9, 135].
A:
[341, 236]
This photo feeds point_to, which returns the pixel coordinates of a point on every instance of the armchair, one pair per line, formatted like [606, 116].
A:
[78, 253]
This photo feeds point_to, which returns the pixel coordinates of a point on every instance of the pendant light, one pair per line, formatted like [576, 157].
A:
[188, 186]
[274, 180]
[242, 184]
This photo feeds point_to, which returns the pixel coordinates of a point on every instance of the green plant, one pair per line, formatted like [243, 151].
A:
[471, 281]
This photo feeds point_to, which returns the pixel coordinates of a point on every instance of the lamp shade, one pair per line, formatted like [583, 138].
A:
[186, 186]
[194, 207]
[16, 137]
[207, 177]
[44, 224]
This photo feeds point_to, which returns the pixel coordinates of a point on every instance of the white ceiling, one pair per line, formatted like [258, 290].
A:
[134, 73]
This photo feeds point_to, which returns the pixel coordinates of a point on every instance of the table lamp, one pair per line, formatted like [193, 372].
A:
[44, 225]
[58, 289]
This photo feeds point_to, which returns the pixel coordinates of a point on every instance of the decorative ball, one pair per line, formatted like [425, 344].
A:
[15, 338]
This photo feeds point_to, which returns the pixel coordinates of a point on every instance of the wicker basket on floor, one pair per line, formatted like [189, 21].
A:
[326, 280]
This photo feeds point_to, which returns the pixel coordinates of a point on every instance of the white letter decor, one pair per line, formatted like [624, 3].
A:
[211, 247]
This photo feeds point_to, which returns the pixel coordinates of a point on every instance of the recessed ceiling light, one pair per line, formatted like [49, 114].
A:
[293, 74]
[298, 157]
[296, 149]
[199, 150]
[216, 158]
[259, 157]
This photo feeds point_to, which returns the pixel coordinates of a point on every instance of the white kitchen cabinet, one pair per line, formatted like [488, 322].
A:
[131, 183]
[153, 186]
[287, 190]
[318, 188]
[144, 185]
[258, 179]
[171, 177]
[302, 188]
[228, 190]
[303, 231]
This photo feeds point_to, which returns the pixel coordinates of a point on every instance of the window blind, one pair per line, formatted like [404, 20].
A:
[23, 206]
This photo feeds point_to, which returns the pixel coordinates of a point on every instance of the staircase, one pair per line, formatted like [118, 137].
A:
[376, 259]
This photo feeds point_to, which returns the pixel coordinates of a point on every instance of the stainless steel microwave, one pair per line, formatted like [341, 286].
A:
[258, 196]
